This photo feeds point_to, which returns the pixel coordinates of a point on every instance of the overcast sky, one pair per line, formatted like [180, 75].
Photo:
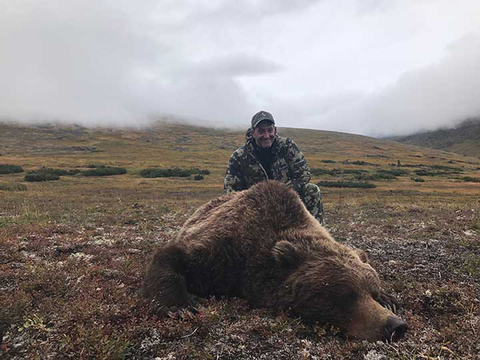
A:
[373, 67]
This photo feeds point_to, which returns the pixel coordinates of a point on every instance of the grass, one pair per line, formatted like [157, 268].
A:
[73, 252]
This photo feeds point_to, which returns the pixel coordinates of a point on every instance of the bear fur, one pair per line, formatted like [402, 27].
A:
[263, 245]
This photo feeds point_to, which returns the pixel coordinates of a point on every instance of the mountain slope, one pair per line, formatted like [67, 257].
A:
[463, 139]
[167, 144]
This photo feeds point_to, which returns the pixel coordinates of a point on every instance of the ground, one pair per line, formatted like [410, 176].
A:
[73, 254]
[73, 292]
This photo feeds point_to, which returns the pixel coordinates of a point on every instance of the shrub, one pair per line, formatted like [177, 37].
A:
[470, 179]
[200, 171]
[351, 171]
[430, 173]
[336, 172]
[346, 184]
[13, 187]
[394, 172]
[375, 177]
[446, 168]
[175, 172]
[417, 179]
[318, 172]
[363, 163]
[198, 177]
[10, 169]
[57, 172]
[104, 171]
[328, 161]
[35, 177]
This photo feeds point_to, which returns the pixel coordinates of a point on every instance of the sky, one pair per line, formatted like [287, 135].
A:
[370, 67]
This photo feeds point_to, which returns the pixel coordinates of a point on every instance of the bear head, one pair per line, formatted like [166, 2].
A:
[335, 285]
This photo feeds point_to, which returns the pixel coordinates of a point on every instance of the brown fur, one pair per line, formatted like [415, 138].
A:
[262, 244]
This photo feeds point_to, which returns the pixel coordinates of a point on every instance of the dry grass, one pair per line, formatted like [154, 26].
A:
[73, 252]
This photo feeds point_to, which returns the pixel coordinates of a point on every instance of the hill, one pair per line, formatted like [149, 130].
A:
[73, 251]
[463, 139]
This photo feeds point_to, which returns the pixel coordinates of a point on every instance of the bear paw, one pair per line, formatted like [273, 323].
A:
[388, 302]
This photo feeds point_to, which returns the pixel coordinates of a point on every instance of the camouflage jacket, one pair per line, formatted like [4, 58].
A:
[288, 166]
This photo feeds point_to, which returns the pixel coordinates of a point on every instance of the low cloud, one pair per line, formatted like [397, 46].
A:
[439, 95]
[367, 67]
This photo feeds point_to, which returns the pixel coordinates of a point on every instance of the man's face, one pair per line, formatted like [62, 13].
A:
[264, 134]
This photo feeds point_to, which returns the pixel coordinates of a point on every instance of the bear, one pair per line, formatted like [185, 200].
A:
[261, 244]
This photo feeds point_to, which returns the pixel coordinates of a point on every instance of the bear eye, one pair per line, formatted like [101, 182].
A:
[347, 298]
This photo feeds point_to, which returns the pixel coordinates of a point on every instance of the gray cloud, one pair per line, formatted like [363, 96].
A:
[234, 65]
[439, 95]
[371, 67]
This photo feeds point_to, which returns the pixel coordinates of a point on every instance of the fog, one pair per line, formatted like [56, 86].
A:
[377, 67]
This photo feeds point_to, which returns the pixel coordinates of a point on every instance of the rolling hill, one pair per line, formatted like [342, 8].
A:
[463, 139]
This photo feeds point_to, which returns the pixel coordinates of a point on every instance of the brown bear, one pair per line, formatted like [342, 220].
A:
[263, 245]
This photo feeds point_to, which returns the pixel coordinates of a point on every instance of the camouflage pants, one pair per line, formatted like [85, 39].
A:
[312, 198]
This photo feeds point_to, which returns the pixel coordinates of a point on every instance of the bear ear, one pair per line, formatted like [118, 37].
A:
[286, 254]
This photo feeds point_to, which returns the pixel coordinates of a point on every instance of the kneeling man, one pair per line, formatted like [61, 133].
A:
[265, 156]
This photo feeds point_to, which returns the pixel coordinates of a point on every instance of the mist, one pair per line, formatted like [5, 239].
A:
[368, 67]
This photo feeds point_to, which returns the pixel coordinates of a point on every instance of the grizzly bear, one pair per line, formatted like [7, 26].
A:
[263, 245]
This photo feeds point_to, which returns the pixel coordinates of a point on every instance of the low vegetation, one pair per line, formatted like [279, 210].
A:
[10, 169]
[55, 172]
[175, 172]
[104, 171]
[37, 177]
[73, 253]
[417, 179]
[470, 179]
[346, 184]
[12, 187]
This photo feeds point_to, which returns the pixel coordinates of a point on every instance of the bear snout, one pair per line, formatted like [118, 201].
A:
[395, 328]
[372, 322]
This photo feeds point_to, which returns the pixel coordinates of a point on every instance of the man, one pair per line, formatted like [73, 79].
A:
[266, 155]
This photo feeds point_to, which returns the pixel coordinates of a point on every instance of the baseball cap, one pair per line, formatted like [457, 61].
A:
[260, 116]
